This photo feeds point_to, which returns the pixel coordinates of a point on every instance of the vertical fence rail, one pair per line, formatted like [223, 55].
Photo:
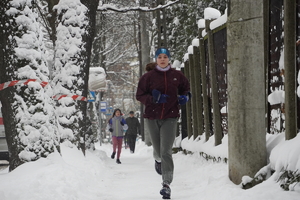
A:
[275, 78]
[189, 114]
[198, 87]
[220, 50]
[206, 110]
[195, 119]
[298, 61]
[214, 86]
[275, 73]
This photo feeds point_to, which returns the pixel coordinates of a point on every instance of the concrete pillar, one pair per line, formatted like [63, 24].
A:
[246, 91]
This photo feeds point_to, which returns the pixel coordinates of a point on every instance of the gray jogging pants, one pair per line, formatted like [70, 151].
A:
[163, 133]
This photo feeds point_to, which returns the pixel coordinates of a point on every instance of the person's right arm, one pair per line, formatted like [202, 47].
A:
[143, 93]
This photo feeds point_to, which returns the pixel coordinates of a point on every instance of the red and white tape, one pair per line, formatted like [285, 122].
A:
[43, 84]
[75, 97]
[20, 82]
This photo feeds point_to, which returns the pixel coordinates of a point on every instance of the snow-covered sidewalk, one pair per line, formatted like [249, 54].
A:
[97, 176]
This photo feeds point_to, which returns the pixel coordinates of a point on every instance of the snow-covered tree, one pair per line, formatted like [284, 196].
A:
[69, 74]
[74, 37]
[30, 125]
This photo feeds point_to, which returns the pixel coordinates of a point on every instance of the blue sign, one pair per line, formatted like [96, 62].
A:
[93, 96]
[103, 106]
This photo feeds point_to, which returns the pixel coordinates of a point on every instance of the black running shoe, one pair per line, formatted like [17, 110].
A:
[165, 191]
[113, 155]
[158, 167]
[118, 161]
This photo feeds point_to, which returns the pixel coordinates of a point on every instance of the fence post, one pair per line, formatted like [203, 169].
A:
[198, 87]
[204, 85]
[290, 69]
[214, 86]
[193, 87]
[188, 104]
[184, 126]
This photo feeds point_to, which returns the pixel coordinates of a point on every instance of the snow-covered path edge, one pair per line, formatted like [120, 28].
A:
[97, 176]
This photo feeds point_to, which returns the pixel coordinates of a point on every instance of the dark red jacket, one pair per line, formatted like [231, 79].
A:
[172, 83]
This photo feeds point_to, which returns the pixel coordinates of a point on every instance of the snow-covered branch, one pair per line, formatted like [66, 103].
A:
[106, 7]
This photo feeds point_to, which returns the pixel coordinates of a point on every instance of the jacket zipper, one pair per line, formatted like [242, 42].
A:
[163, 108]
[117, 126]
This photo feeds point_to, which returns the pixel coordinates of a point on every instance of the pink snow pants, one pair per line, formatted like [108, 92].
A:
[117, 143]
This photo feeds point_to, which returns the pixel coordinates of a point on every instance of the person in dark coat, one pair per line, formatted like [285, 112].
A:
[162, 90]
[132, 131]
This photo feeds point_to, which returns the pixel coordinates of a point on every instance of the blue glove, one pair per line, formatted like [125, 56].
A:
[122, 123]
[182, 99]
[158, 97]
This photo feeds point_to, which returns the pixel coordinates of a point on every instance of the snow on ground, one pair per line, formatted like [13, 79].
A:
[97, 176]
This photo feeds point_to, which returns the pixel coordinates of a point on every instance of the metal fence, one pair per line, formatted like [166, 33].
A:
[274, 76]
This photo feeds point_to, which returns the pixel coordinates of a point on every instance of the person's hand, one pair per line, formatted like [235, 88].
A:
[182, 99]
[122, 123]
[158, 97]
[111, 130]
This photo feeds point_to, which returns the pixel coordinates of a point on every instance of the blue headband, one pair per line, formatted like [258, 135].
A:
[162, 50]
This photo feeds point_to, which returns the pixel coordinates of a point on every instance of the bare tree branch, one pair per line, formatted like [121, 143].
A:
[107, 7]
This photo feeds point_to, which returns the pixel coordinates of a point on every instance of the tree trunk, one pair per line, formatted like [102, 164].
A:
[246, 91]
[99, 44]
[145, 59]
[145, 50]
[88, 40]
[161, 26]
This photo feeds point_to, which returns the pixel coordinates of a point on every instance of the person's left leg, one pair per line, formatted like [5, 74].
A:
[125, 139]
[130, 142]
[154, 132]
[119, 146]
[115, 144]
[167, 136]
[133, 142]
[120, 142]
